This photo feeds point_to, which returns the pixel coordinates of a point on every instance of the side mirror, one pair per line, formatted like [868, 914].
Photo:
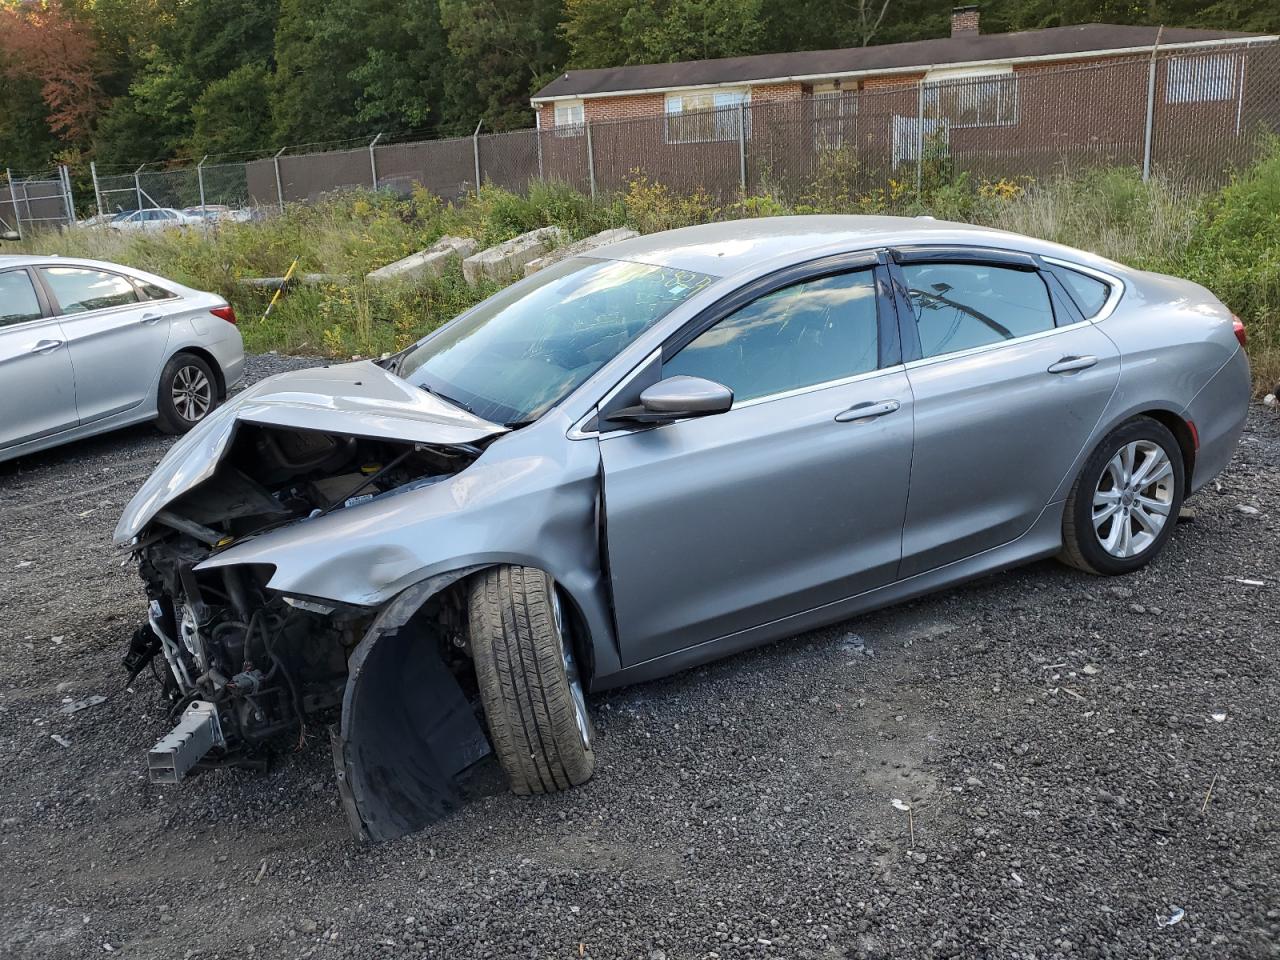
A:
[676, 398]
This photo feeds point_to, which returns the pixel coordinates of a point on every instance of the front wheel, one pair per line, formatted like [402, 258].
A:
[529, 682]
[1124, 505]
[188, 393]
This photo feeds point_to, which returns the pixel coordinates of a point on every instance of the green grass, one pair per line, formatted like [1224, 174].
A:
[1229, 241]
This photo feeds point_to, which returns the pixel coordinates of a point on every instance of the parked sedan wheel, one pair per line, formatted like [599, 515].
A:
[1125, 503]
[188, 392]
[529, 682]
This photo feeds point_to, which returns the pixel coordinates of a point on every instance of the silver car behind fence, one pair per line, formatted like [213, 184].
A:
[683, 446]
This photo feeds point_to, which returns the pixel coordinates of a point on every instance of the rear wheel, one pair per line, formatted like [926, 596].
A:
[188, 393]
[529, 682]
[1124, 505]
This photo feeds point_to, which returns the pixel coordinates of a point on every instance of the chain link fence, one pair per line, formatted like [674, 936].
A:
[1195, 117]
[36, 201]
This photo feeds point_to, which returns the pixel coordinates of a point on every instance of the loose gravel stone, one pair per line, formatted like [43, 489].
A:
[1127, 796]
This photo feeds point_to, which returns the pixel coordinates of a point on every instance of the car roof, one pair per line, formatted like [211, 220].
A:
[723, 249]
[36, 260]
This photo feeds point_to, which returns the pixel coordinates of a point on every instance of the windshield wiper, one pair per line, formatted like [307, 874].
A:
[448, 399]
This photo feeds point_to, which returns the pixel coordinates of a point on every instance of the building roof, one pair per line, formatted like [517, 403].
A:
[1050, 43]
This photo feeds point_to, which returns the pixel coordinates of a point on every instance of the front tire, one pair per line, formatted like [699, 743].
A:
[1124, 505]
[188, 393]
[528, 680]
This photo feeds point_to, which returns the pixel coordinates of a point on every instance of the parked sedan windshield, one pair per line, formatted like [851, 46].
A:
[525, 349]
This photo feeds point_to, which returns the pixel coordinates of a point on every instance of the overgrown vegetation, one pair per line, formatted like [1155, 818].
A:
[1228, 241]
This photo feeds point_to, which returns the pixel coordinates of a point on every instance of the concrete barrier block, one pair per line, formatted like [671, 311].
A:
[603, 238]
[431, 262]
[507, 260]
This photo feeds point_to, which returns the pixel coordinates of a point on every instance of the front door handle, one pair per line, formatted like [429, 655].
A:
[1072, 364]
[46, 346]
[149, 318]
[867, 411]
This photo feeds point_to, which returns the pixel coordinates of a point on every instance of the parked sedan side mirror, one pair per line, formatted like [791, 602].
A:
[676, 398]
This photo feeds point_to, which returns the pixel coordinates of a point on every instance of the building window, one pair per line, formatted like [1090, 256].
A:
[972, 100]
[1201, 79]
[834, 111]
[569, 119]
[706, 115]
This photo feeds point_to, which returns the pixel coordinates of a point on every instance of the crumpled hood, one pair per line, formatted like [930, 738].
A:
[360, 399]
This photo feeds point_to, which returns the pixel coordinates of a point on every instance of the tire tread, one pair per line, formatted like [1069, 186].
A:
[523, 688]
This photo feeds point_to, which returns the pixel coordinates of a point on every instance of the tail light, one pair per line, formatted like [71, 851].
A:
[226, 313]
[1237, 327]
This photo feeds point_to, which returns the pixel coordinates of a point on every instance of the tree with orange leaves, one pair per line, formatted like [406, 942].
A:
[41, 42]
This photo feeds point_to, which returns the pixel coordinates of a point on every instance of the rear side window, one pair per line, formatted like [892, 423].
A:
[79, 290]
[1088, 292]
[151, 292]
[958, 306]
[795, 337]
[18, 302]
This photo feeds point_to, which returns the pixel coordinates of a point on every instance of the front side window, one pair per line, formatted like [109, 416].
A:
[78, 289]
[796, 337]
[705, 115]
[18, 302]
[526, 348]
[1201, 78]
[958, 306]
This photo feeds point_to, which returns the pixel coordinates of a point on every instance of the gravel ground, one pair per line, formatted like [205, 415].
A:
[1081, 758]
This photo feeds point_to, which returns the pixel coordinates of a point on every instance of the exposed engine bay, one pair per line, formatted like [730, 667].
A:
[247, 669]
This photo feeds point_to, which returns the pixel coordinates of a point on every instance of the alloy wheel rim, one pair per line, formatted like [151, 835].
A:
[1133, 499]
[192, 393]
[571, 672]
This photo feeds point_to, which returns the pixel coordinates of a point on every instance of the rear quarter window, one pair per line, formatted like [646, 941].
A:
[1089, 293]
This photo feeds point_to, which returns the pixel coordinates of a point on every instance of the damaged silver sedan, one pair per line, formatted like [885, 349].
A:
[683, 446]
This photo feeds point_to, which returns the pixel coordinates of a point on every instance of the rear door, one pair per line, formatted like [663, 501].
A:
[37, 382]
[793, 498]
[116, 339]
[1009, 383]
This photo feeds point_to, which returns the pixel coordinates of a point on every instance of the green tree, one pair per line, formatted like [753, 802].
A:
[318, 45]
[153, 121]
[407, 60]
[219, 36]
[228, 116]
[501, 53]
[604, 33]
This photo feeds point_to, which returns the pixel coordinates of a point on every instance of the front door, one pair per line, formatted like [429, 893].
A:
[792, 499]
[1009, 384]
[37, 383]
[116, 342]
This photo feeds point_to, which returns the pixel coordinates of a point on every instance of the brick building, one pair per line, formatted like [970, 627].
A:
[968, 81]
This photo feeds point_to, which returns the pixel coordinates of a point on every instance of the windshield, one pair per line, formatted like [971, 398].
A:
[528, 347]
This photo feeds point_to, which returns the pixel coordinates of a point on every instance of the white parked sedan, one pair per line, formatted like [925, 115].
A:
[159, 218]
[87, 347]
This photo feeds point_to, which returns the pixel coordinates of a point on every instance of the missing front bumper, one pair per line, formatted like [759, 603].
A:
[185, 745]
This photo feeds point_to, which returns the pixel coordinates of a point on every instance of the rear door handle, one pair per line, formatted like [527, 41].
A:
[46, 346]
[1072, 364]
[867, 411]
[149, 318]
